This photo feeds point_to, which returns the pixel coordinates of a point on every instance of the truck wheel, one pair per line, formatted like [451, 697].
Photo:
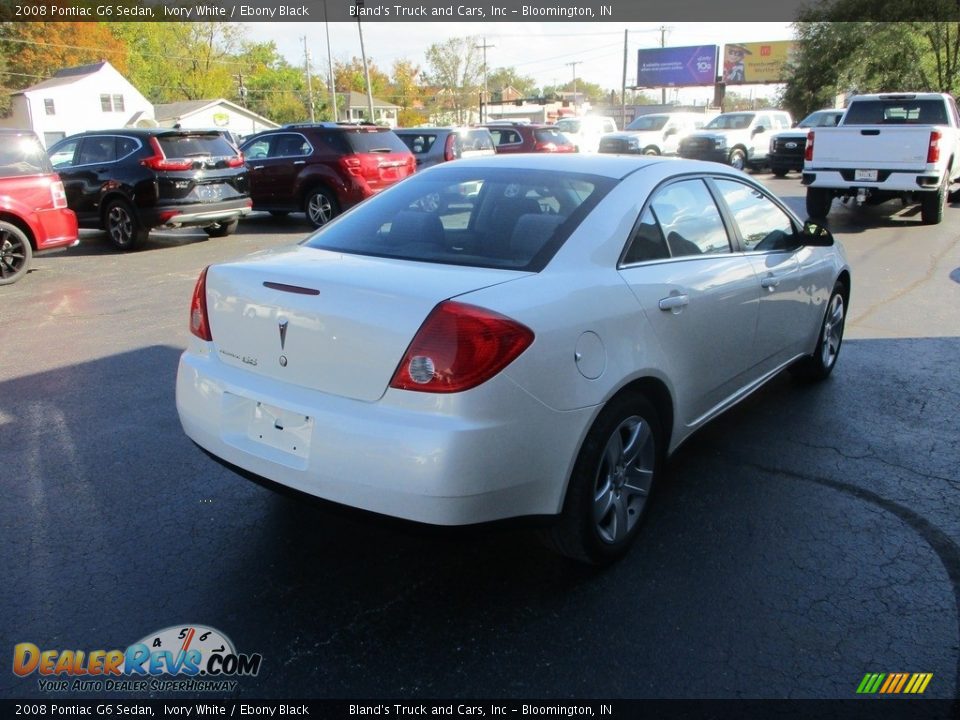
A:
[651, 150]
[819, 201]
[15, 253]
[779, 172]
[932, 204]
[737, 159]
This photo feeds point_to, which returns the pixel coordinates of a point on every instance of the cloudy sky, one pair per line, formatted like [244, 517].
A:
[540, 50]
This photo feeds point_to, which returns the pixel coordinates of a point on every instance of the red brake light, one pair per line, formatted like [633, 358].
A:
[933, 151]
[449, 151]
[352, 164]
[58, 195]
[199, 324]
[459, 347]
[808, 150]
[545, 147]
[158, 160]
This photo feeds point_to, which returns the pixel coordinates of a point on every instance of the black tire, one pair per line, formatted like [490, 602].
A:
[15, 253]
[932, 205]
[737, 159]
[651, 150]
[605, 501]
[320, 206]
[819, 201]
[779, 172]
[221, 229]
[123, 226]
[819, 365]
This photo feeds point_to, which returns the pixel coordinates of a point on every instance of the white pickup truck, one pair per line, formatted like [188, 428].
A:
[890, 145]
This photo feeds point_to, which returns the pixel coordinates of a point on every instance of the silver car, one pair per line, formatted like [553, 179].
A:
[537, 347]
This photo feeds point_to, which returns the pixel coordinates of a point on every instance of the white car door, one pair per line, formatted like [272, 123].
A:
[788, 274]
[699, 297]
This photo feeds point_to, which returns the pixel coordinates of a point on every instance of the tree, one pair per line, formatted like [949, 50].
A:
[840, 55]
[455, 71]
[503, 78]
[36, 50]
[276, 89]
[349, 76]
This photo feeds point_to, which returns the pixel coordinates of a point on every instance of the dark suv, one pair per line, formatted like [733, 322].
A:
[322, 169]
[128, 181]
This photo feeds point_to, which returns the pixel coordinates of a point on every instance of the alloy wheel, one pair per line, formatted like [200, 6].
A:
[623, 479]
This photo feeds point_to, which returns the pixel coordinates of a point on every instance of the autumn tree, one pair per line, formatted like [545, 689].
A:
[37, 50]
[349, 76]
[455, 72]
[503, 78]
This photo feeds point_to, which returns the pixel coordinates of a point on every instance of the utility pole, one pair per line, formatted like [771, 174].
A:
[623, 85]
[574, 65]
[486, 95]
[306, 62]
[366, 70]
[663, 43]
[333, 87]
[241, 89]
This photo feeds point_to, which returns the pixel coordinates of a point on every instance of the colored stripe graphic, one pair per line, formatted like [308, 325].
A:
[894, 683]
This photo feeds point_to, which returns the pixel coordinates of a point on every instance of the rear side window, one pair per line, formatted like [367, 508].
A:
[762, 225]
[505, 136]
[97, 149]
[690, 220]
[550, 135]
[382, 141]
[419, 144]
[23, 155]
[187, 146]
[481, 217]
[476, 140]
[894, 112]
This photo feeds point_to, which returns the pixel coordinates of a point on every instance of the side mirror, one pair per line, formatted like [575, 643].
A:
[671, 131]
[816, 235]
[759, 129]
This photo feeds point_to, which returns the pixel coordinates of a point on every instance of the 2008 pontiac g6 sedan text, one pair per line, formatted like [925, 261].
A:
[510, 336]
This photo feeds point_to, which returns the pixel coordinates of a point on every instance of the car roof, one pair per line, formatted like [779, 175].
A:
[612, 166]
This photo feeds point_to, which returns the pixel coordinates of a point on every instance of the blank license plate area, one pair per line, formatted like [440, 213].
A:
[267, 431]
[867, 175]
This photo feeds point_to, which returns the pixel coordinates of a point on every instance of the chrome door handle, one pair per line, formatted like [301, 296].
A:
[258, 167]
[674, 302]
[770, 282]
[299, 162]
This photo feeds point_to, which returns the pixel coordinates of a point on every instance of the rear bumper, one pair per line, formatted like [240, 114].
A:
[55, 228]
[489, 453]
[198, 215]
[894, 181]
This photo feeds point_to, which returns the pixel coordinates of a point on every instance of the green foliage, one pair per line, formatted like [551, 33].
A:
[503, 78]
[455, 70]
[861, 57]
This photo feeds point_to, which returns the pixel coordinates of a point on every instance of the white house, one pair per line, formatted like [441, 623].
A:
[88, 97]
[206, 114]
[357, 109]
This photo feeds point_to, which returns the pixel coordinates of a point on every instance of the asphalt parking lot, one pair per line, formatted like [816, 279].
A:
[808, 537]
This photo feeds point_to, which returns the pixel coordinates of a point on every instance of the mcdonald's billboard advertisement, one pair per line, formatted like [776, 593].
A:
[756, 62]
[677, 67]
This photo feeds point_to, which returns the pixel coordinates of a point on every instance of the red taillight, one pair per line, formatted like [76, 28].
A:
[449, 149]
[808, 150]
[545, 147]
[58, 195]
[352, 164]
[236, 161]
[459, 347]
[199, 324]
[158, 161]
[933, 151]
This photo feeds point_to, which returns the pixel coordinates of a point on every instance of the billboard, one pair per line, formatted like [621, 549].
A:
[677, 67]
[756, 62]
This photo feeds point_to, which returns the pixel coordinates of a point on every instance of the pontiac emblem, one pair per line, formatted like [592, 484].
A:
[283, 332]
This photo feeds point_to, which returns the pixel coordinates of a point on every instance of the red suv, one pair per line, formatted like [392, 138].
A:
[322, 169]
[529, 138]
[33, 204]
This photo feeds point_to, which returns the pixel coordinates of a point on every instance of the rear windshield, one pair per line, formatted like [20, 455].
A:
[569, 125]
[821, 118]
[550, 135]
[894, 112]
[418, 144]
[648, 122]
[187, 146]
[733, 121]
[374, 141]
[478, 139]
[505, 218]
[23, 155]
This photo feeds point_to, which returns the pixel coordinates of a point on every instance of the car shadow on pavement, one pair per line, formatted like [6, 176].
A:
[804, 538]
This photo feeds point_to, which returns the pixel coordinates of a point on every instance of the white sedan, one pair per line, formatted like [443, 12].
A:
[510, 336]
